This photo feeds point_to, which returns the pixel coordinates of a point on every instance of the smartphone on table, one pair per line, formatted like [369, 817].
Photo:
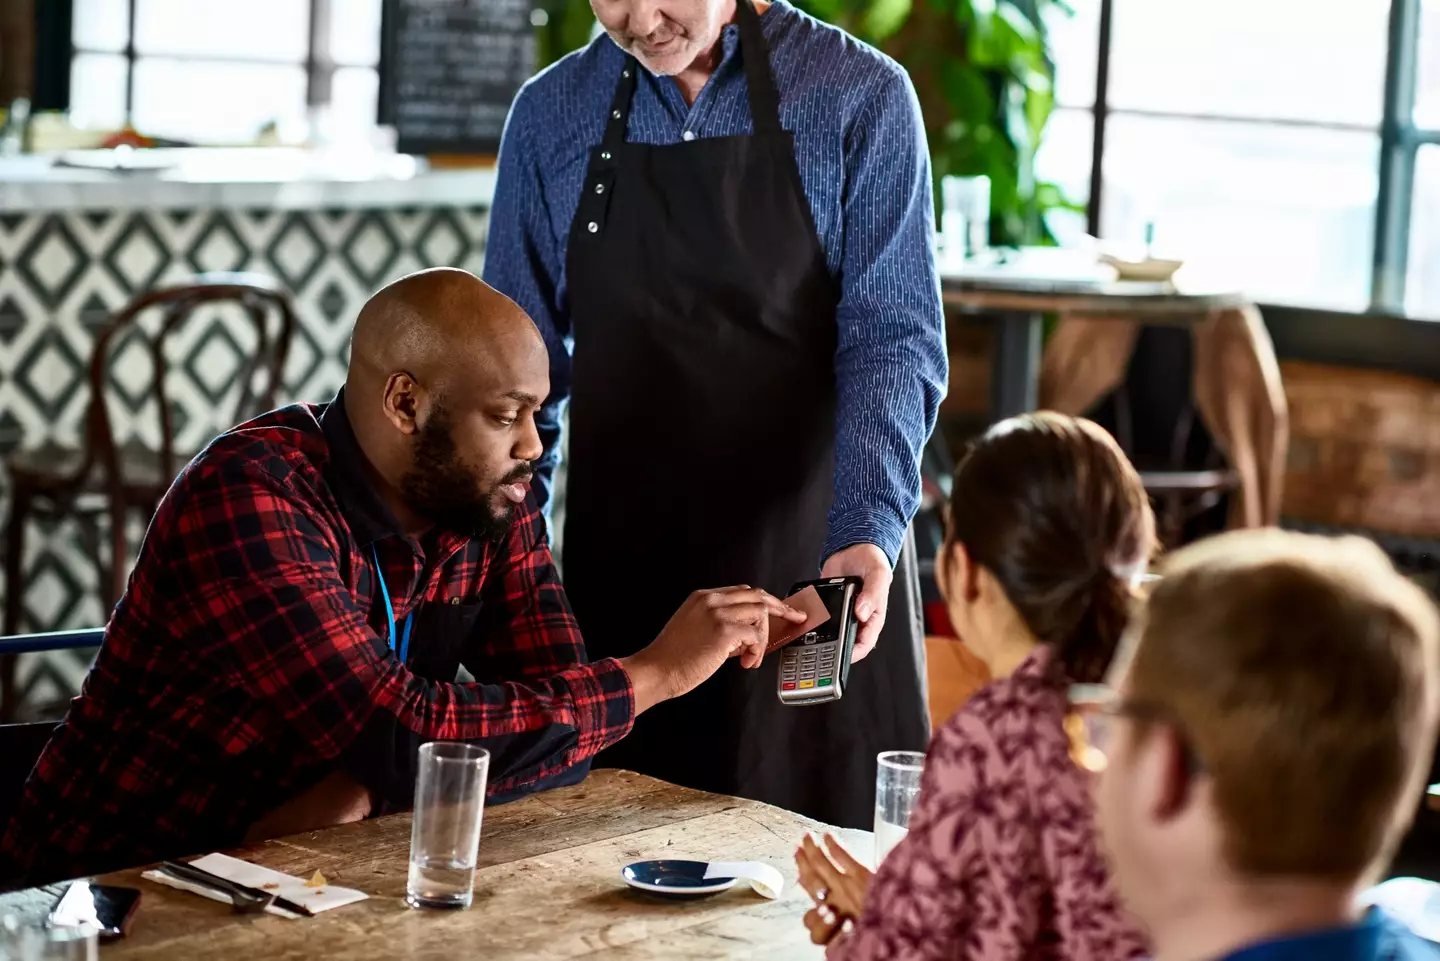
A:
[107, 908]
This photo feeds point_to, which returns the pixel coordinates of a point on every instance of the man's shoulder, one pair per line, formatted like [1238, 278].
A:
[812, 43]
[277, 447]
[575, 78]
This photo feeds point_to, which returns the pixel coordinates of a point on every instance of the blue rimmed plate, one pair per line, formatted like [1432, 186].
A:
[676, 880]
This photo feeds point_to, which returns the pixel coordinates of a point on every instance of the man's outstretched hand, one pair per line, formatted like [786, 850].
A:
[708, 629]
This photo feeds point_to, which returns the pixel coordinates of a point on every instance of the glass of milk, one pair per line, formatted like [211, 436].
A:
[897, 784]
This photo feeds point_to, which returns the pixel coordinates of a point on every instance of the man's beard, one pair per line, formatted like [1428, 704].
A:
[441, 487]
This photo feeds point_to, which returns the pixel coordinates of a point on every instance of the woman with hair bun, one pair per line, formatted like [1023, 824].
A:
[1049, 532]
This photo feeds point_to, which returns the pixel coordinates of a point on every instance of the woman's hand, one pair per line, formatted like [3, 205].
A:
[836, 881]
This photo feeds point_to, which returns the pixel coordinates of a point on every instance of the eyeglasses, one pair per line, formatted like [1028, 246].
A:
[1090, 720]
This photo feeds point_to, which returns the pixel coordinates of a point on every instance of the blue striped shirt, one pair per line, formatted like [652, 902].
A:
[861, 148]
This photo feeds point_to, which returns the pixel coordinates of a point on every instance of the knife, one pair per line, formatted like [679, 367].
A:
[188, 872]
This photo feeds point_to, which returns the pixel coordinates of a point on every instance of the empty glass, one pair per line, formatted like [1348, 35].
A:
[897, 783]
[445, 837]
[22, 941]
[965, 215]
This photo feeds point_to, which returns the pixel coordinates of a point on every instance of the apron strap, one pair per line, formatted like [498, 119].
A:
[759, 77]
[617, 121]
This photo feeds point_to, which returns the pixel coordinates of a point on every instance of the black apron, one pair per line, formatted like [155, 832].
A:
[702, 450]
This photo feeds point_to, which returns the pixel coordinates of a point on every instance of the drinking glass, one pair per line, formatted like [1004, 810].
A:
[965, 215]
[445, 836]
[22, 941]
[897, 783]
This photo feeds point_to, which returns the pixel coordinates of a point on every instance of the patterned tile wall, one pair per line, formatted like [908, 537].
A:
[63, 274]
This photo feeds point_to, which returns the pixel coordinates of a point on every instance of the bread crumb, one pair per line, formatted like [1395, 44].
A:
[318, 881]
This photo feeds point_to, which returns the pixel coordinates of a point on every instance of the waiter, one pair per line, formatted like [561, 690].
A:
[720, 216]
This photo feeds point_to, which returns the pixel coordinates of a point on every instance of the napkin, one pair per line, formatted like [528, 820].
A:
[782, 632]
[253, 875]
[766, 881]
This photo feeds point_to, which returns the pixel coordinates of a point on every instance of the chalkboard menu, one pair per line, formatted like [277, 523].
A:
[449, 70]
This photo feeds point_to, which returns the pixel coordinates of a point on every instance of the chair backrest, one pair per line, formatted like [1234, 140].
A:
[20, 747]
[1155, 419]
[258, 297]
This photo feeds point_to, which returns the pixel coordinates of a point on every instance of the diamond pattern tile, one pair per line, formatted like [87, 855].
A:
[138, 256]
[12, 319]
[131, 369]
[219, 247]
[52, 261]
[95, 314]
[49, 373]
[443, 242]
[62, 277]
[215, 362]
[371, 250]
[297, 252]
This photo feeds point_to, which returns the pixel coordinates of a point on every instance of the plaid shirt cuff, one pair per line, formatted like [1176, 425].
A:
[605, 702]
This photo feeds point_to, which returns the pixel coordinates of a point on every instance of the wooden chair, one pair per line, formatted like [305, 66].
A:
[106, 478]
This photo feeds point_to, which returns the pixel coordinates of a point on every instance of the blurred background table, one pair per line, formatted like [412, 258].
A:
[1019, 287]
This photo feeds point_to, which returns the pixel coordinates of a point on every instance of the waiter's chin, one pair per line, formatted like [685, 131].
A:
[663, 60]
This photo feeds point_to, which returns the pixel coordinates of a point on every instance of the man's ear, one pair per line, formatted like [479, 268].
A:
[405, 403]
[1169, 772]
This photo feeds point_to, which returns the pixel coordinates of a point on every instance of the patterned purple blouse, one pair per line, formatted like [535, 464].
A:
[1002, 860]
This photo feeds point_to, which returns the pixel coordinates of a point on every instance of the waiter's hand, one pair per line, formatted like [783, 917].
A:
[869, 563]
[708, 629]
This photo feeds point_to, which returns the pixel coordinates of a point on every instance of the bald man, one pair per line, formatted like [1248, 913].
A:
[311, 587]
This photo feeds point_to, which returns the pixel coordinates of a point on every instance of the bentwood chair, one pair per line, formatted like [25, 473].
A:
[109, 476]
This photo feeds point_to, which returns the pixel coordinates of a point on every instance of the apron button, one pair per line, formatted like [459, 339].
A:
[455, 600]
[593, 227]
[604, 155]
[688, 135]
[599, 188]
[625, 74]
[615, 114]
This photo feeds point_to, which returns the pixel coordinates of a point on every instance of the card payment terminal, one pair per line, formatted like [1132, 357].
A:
[815, 667]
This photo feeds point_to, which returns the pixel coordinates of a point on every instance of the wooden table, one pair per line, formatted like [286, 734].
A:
[548, 887]
[1019, 295]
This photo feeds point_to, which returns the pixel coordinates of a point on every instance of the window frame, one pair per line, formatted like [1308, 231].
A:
[1400, 142]
[319, 64]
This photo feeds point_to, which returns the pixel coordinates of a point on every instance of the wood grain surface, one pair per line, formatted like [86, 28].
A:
[548, 887]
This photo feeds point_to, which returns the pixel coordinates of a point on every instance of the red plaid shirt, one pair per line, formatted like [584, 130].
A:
[249, 658]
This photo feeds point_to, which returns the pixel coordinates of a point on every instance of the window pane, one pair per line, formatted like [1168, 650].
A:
[353, 101]
[1075, 44]
[1422, 297]
[1427, 93]
[355, 32]
[216, 102]
[1064, 159]
[1285, 59]
[101, 24]
[97, 91]
[261, 29]
[1284, 213]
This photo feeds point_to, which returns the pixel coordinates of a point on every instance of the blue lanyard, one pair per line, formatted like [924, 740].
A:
[390, 611]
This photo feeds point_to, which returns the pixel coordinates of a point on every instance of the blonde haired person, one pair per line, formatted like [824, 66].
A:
[1265, 743]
